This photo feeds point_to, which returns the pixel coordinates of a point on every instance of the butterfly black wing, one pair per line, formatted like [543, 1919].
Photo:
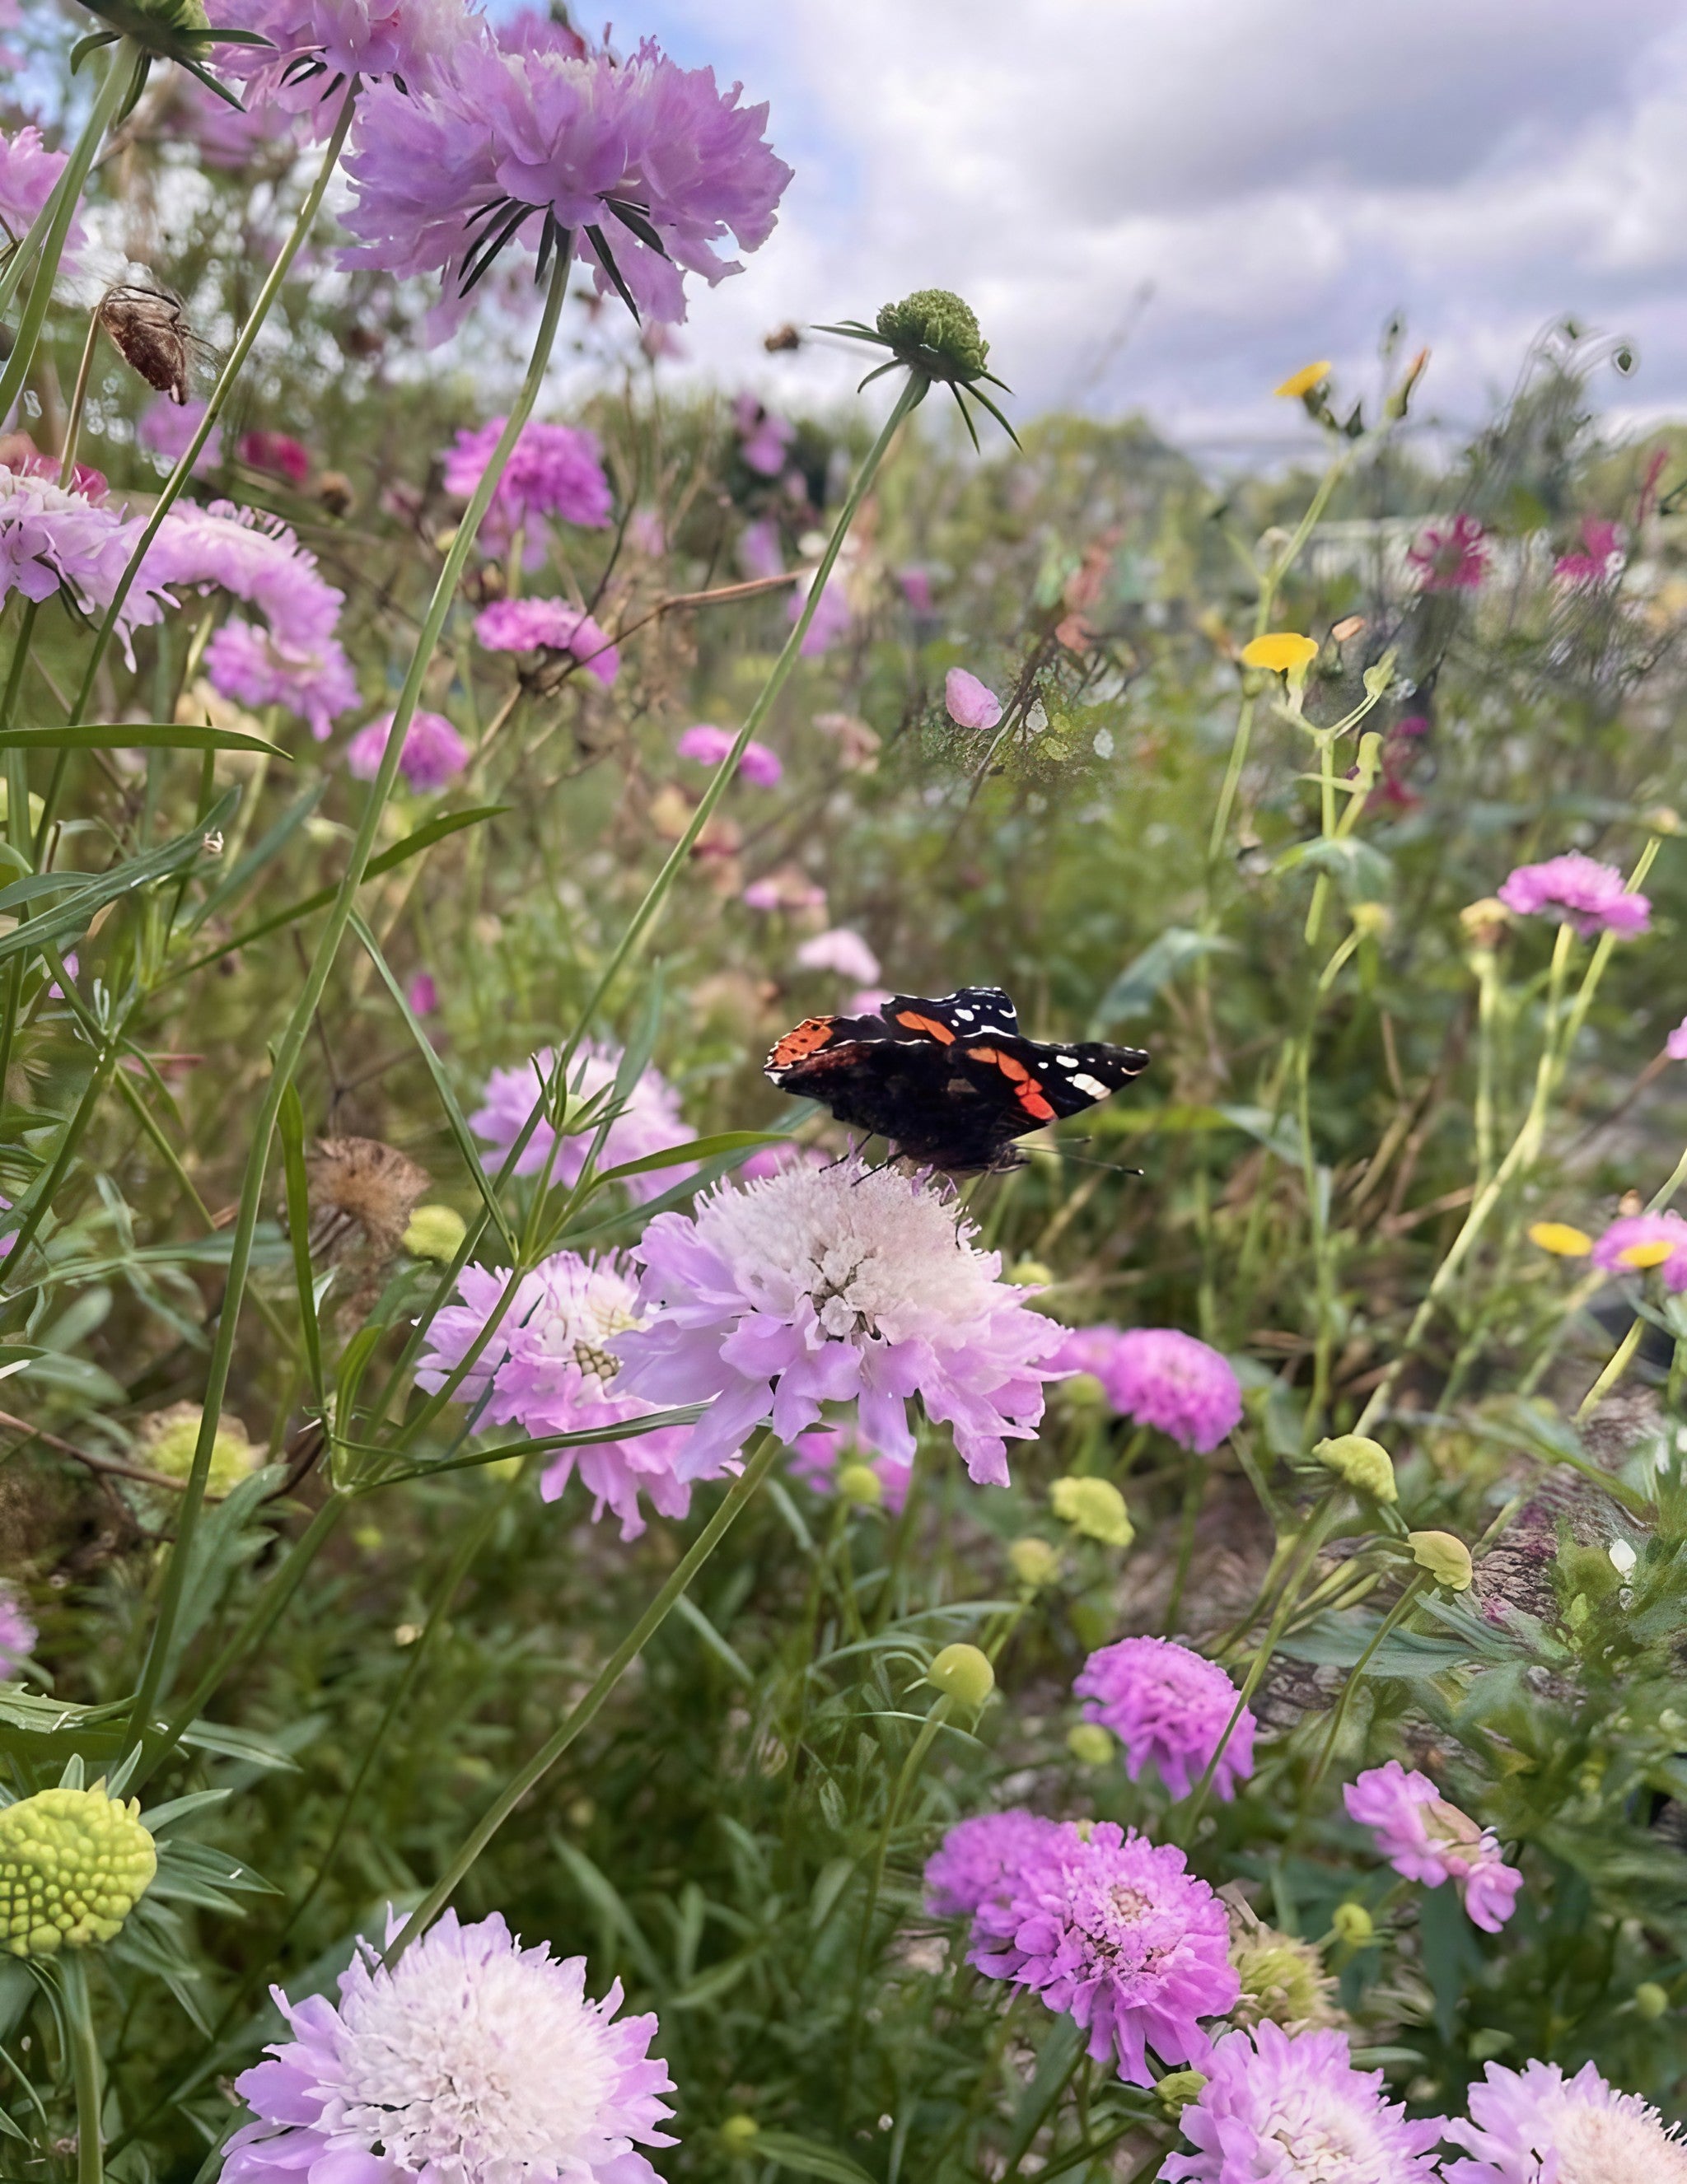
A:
[1047, 1082]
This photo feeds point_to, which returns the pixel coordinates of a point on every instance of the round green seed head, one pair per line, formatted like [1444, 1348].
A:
[166, 1440]
[1651, 2000]
[1089, 1744]
[1034, 1562]
[73, 1866]
[1363, 1462]
[861, 1484]
[964, 1673]
[435, 1232]
[1352, 1923]
[739, 2133]
[1177, 2088]
[1030, 1274]
[1446, 1558]
[1282, 1979]
[934, 332]
[1095, 1507]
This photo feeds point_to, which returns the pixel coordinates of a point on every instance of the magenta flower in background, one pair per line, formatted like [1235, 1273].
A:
[317, 46]
[916, 589]
[709, 745]
[1425, 1839]
[759, 551]
[1641, 1240]
[256, 668]
[981, 1857]
[471, 2058]
[228, 137]
[1116, 1932]
[832, 618]
[28, 172]
[536, 30]
[788, 889]
[548, 1369]
[553, 470]
[1161, 1378]
[165, 429]
[18, 1633]
[1537, 2126]
[550, 625]
[836, 1285]
[763, 437]
[1290, 2109]
[433, 755]
[867, 1001]
[1594, 897]
[278, 453]
[1599, 559]
[969, 703]
[1169, 1708]
[73, 969]
[423, 995]
[1675, 1046]
[1450, 557]
[50, 536]
[650, 1123]
[517, 146]
[817, 1456]
[843, 952]
[770, 1160]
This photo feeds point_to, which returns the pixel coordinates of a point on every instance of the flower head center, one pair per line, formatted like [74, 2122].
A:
[1612, 2146]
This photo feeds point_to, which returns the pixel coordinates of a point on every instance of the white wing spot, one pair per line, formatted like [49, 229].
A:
[1067, 1061]
[1082, 1084]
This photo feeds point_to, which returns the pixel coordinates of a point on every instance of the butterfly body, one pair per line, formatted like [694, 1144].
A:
[951, 1082]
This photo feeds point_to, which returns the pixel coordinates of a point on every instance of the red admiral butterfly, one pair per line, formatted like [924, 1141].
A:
[949, 1083]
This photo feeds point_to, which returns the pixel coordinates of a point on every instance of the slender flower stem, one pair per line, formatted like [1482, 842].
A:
[1395, 1616]
[1616, 1367]
[84, 2072]
[291, 1044]
[583, 1714]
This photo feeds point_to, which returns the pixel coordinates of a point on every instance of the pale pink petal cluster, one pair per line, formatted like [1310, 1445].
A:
[550, 625]
[1537, 2126]
[165, 429]
[1169, 1708]
[832, 621]
[1162, 1377]
[1450, 557]
[980, 1857]
[1426, 1839]
[650, 1120]
[1594, 897]
[969, 703]
[28, 172]
[1675, 1046]
[553, 470]
[708, 745]
[433, 755]
[315, 47]
[843, 951]
[18, 1633]
[1597, 559]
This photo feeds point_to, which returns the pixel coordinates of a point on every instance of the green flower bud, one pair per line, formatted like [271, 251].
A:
[73, 1866]
[1177, 2088]
[1363, 1463]
[861, 1484]
[739, 2134]
[165, 1441]
[934, 332]
[1030, 1274]
[1651, 2000]
[1352, 1923]
[1446, 1558]
[1034, 1562]
[435, 1232]
[1095, 1507]
[1089, 1744]
[1282, 1979]
[1083, 1390]
[962, 1673]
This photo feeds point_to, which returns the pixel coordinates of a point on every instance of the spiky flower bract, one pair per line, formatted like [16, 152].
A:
[935, 335]
[1169, 1708]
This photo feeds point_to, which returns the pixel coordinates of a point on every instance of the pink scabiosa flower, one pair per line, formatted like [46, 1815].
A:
[788, 889]
[1161, 1378]
[548, 149]
[1290, 2109]
[278, 453]
[763, 437]
[553, 470]
[709, 745]
[549, 626]
[1116, 1932]
[315, 47]
[1594, 897]
[916, 589]
[1641, 1240]
[841, 1284]
[969, 703]
[165, 429]
[1169, 1708]
[832, 618]
[472, 2059]
[228, 137]
[649, 1122]
[547, 1368]
[433, 755]
[843, 952]
[28, 172]
[980, 1857]
[295, 659]
[759, 551]
[423, 995]
[18, 1633]
[1599, 558]
[1425, 1839]
[1537, 2126]
[1675, 1046]
[51, 536]
[1450, 557]
[817, 1456]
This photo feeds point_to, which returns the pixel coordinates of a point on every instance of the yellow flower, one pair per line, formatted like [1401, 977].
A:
[1447, 1559]
[1563, 1241]
[1282, 651]
[1303, 380]
[1647, 1254]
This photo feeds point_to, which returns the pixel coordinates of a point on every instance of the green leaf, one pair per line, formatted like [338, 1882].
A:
[807, 2156]
[1134, 991]
[1363, 870]
[268, 844]
[698, 1149]
[139, 735]
[291, 1123]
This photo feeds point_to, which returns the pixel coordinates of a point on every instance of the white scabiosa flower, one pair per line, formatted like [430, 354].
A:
[1536, 2124]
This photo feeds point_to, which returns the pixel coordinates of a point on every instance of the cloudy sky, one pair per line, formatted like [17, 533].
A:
[1169, 204]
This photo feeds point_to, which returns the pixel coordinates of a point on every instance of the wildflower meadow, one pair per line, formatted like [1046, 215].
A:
[842, 1327]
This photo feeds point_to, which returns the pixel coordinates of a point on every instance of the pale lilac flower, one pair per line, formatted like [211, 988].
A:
[471, 2059]
[553, 470]
[1169, 1708]
[547, 1368]
[650, 1123]
[1641, 1240]
[709, 745]
[1281, 2108]
[832, 618]
[536, 30]
[771, 1160]
[784, 889]
[433, 755]
[763, 437]
[229, 136]
[73, 967]
[522, 146]
[315, 47]
[549, 626]
[28, 172]
[50, 536]
[1425, 1839]
[1599, 559]
[165, 428]
[817, 1456]
[759, 552]
[423, 995]
[969, 703]
[916, 589]
[647, 532]
[1594, 896]
[1537, 2126]
[18, 1633]
[980, 1857]
[296, 661]
[1161, 1378]
[843, 952]
[837, 1285]
[1116, 1932]
[1675, 1046]
[867, 1001]
[1450, 557]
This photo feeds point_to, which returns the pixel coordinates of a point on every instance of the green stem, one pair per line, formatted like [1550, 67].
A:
[1617, 1365]
[583, 1714]
[85, 2071]
[291, 1044]
[1396, 1615]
